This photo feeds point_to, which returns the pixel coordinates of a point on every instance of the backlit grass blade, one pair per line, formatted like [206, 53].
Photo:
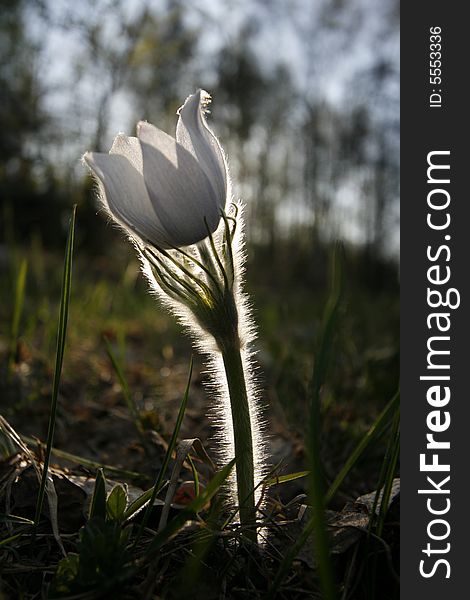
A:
[169, 452]
[61, 335]
[379, 425]
[285, 478]
[17, 310]
[135, 506]
[15, 519]
[316, 492]
[131, 405]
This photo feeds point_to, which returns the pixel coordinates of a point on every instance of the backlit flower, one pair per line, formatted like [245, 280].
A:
[165, 191]
[168, 193]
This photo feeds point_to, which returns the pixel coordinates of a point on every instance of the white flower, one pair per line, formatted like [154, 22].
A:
[172, 192]
[167, 192]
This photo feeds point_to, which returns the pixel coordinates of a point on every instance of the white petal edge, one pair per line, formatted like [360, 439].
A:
[125, 196]
[194, 134]
[179, 190]
[129, 147]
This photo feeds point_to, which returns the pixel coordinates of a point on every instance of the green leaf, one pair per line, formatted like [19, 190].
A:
[67, 573]
[103, 552]
[117, 502]
[102, 566]
[98, 500]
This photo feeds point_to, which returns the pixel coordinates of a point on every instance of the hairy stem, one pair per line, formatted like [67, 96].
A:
[242, 436]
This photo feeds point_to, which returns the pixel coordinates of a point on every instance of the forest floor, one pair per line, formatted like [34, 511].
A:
[121, 344]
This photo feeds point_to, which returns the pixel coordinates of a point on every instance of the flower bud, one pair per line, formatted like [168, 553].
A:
[164, 191]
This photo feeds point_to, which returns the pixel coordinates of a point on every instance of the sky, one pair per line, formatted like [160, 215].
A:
[327, 52]
[293, 32]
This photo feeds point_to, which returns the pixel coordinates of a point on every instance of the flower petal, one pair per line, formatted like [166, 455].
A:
[193, 133]
[178, 188]
[124, 193]
[129, 147]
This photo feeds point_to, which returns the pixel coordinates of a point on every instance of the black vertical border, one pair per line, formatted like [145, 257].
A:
[424, 129]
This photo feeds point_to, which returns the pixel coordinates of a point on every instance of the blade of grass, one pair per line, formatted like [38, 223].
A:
[177, 523]
[382, 494]
[203, 543]
[131, 405]
[285, 478]
[15, 519]
[182, 451]
[137, 505]
[192, 509]
[17, 310]
[385, 468]
[87, 462]
[61, 335]
[98, 500]
[166, 460]
[379, 425]
[316, 492]
[10, 539]
[195, 476]
[388, 484]
[232, 515]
